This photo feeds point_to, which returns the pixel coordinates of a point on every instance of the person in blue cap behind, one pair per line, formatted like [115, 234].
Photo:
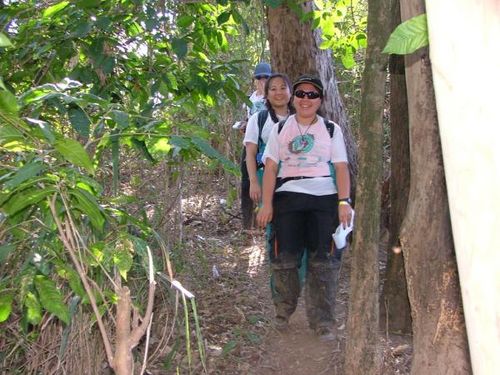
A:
[261, 73]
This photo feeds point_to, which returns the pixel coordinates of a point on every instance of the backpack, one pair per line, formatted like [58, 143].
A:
[330, 126]
[261, 120]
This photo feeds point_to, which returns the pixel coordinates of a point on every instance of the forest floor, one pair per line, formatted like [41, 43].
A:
[228, 272]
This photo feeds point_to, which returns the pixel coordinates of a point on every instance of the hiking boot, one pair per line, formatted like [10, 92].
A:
[281, 324]
[325, 334]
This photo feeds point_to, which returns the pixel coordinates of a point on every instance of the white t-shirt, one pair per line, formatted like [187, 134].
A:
[252, 131]
[306, 151]
[258, 104]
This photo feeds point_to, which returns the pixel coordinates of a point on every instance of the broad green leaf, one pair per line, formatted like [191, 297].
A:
[20, 200]
[74, 152]
[51, 298]
[45, 129]
[5, 306]
[180, 47]
[86, 203]
[88, 3]
[9, 133]
[121, 118]
[4, 41]
[123, 260]
[54, 9]
[8, 103]
[185, 20]
[79, 120]
[212, 153]
[73, 278]
[408, 36]
[24, 173]
[33, 308]
[5, 251]
[273, 3]
[223, 18]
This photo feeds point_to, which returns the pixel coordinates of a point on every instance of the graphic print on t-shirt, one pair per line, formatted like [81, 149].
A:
[301, 143]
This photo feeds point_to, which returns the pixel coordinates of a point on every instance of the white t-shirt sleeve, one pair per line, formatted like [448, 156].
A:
[339, 153]
[272, 150]
[252, 130]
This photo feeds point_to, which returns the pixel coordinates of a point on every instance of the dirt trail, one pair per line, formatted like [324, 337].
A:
[236, 309]
[297, 351]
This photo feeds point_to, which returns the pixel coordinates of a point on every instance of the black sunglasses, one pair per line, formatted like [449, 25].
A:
[310, 94]
[261, 77]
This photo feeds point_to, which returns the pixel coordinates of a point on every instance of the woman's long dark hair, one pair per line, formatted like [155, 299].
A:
[270, 108]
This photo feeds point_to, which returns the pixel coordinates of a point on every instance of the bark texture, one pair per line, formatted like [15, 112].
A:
[439, 337]
[395, 307]
[362, 352]
[295, 51]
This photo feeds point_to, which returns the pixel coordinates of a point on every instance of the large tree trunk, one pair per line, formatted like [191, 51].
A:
[467, 103]
[395, 307]
[362, 353]
[295, 51]
[439, 339]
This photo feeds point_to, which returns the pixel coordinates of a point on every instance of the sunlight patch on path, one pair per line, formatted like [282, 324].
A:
[256, 257]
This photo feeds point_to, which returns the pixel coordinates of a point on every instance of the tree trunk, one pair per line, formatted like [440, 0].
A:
[439, 339]
[468, 125]
[362, 353]
[395, 307]
[295, 51]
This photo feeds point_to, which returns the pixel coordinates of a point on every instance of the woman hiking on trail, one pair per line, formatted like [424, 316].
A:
[261, 74]
[277, 94]
[305, 207]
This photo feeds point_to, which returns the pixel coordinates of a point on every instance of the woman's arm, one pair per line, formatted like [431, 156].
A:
[255, 191]
[343, 188]
[265, 214]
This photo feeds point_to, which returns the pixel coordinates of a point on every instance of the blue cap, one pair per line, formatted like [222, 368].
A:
[262, 69]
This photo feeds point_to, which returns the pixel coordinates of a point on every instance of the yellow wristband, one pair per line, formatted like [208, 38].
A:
[343, 203]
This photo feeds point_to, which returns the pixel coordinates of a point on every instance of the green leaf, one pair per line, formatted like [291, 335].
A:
[79, 120]
[223, 18]
[33, 308]
[180, 47]
[51, 298]
[121, 118]
[27, 171]
[5, 251]
[88, 3]
[212, 153]
[86, 203]
[8, 103]
[9, 134]
[54, 9]
[5, 306]
[20, 200]
[74, 152]
[4, 41]
[185, 20]
[123, 260]
[408, 36]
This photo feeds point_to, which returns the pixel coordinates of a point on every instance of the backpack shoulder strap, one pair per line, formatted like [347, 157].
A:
[280, 124]
[330, 126]
[261, 120]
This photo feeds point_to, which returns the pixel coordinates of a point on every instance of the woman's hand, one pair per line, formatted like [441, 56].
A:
[264, 216]
[255, 192]
[345, 214]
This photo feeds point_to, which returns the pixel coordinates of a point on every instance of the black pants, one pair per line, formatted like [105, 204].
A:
[247, 205]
